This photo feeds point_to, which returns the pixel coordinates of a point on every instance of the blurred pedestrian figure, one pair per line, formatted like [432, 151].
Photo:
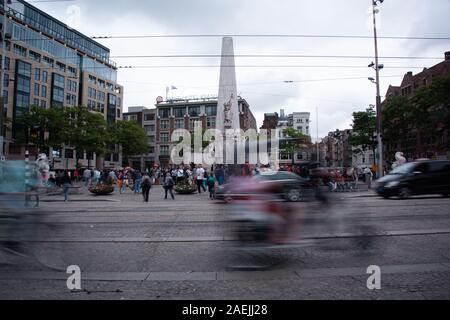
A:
[146, 186]
[174, 174]
[355, 178]
[75, 175]
[220, 175]
[168, 185]
[66, 182]
[180, 175]
[200, 176]
[97, 176]
[137, 182]
[87, 177]
[211, 182]
[369, 176]
[121, 182]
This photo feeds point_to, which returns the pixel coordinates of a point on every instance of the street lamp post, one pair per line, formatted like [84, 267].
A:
[2, 78]
[377, 68]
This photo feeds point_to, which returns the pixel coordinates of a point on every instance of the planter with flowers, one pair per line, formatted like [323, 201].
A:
[185, 188]
[102, 189]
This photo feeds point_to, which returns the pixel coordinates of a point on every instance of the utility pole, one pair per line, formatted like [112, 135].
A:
[380, 163]
[317, 120]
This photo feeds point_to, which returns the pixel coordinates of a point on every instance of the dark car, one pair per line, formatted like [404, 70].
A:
[416, 178]
[289, 185]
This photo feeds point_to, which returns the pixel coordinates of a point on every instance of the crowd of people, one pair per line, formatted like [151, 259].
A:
[205, 179]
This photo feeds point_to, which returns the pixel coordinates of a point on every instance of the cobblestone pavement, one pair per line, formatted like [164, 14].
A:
[183, 249]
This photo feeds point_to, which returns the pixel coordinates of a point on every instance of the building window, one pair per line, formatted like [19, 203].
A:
[44, 91]
[35, 56]
[37, 74]
[72, 71]
[149, 117]
[48, 61]
[23, 84]
[44, 76]
[133, 117]
[164, 137]
[37, 89]
[36, 102]
[179, 124]
[61, 66]
[150, 128]
[211, 111]
[24, 69]
[89, 156]
[194, 111]
[43, 104]
[179, 112]
[164, 112]
[164, 124]
[58, 89]
[20, 50]
[211, 122]
[193, 123]
[6, 80]
[164, 150]
[69, 154]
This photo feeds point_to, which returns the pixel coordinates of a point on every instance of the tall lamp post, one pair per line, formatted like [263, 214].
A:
[2, 76]
[377, 68]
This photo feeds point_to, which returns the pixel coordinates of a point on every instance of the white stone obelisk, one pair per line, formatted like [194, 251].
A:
[227, 106]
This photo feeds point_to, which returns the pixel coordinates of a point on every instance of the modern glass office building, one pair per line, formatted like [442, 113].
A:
[48, 63]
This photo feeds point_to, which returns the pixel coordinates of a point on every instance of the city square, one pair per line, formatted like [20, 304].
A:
[229, 151]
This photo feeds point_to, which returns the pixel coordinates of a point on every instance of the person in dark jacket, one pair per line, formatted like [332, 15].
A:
[146, 186]
[168, 185]
[66, 183]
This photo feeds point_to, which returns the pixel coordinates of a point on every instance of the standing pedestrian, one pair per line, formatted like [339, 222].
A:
[200, 175]
[180, 175]
[137, 181]
[87, 177]
[369, 176]
[75, 175]
[66, 182]
[168, 185]
[211, 182]
[146, 186]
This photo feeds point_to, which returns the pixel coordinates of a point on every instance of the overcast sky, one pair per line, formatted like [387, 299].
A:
[263, 88]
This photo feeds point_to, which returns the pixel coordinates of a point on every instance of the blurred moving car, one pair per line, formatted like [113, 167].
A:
[416, 178]
[288, 185]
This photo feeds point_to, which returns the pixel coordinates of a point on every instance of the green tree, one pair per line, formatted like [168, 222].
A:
[397, 116]
[44, 127]
[131, 137]
[431, 109]
[86, 131]
[295, 142]
[364, 127]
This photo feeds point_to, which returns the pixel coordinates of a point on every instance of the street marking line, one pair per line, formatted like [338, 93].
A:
[226, 238]
[226, 275]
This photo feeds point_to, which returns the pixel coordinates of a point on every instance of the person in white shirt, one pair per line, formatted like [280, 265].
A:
[180, 175]
[200, 175]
